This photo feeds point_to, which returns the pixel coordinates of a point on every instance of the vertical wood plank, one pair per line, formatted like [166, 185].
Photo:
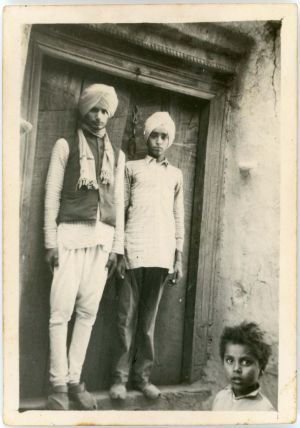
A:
[192, 279]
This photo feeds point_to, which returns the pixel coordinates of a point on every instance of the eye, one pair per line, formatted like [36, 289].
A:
[164, 136]
[154, 135]
[246, 362]
[228, 360]
[94, 110]
[103, 111]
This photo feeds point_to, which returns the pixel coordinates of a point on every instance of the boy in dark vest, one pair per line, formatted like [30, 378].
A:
[84, 226]
[154, 234]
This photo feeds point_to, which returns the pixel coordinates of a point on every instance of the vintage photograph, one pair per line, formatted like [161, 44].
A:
[150, 217]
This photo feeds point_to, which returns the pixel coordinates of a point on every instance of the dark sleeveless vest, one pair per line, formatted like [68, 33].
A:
[82, 204]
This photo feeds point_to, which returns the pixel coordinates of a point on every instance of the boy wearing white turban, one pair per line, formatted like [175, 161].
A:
[84, 227]
[154, 233]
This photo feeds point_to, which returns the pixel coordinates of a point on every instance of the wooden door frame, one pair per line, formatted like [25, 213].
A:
[200, 285]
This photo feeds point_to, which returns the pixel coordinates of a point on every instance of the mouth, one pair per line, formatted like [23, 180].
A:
[236, 380]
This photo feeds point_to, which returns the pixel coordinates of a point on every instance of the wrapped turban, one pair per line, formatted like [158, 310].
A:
[98, 93]
[160, 119]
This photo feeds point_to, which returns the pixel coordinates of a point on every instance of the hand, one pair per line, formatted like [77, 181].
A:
[177, 274]
[52, 258]
[121, 266]
[111, 264]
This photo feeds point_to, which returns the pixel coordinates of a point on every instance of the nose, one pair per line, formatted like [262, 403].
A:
[237, 368]
[159, 140]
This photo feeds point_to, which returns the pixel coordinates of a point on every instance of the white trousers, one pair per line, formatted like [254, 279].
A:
[78, 283]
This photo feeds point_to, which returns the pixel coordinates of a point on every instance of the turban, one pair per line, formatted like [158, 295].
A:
[160, 119]
[98, 93]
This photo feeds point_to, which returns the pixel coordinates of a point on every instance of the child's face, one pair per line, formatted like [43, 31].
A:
[158, 142]
[96, 118]
[242, 369]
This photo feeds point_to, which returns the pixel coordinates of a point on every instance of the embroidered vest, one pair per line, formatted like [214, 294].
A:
[82, 204]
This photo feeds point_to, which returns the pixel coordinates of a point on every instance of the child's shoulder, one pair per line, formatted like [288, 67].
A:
[224, 392]
[264, 402]
[221, 397]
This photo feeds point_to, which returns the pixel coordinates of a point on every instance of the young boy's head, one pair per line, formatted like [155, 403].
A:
[159, 133]
[96, 105]
[245, 355]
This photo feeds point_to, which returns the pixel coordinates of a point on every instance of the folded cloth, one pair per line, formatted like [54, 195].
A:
[87, 163]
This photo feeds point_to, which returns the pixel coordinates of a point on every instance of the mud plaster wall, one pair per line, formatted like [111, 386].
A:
[247, 268]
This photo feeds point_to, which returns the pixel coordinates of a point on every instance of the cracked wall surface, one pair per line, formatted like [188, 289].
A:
[247, 270]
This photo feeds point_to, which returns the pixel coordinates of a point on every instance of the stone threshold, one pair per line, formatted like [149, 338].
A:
[175, 397]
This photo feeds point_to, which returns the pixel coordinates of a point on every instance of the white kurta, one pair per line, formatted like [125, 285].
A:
[155, 214]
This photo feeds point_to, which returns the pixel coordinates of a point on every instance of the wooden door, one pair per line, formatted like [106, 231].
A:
[61, 85]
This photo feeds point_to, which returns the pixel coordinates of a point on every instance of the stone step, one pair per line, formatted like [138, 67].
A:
[175, 397]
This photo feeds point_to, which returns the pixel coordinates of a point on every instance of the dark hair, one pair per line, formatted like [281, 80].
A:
[250, 335]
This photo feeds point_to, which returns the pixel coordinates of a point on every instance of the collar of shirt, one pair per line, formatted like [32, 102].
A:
[91, 137]
[150, 159]
[249, 395]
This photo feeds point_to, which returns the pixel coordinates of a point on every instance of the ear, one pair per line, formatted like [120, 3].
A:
[261, 372]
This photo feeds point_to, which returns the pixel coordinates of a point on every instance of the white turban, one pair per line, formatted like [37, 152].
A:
[98, 93]
[160, 119]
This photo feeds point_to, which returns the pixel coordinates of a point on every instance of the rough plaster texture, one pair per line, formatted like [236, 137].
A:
[247, 268]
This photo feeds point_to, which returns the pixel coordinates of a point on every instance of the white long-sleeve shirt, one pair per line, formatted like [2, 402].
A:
[255, 401]
[80, 234]
[155, 213]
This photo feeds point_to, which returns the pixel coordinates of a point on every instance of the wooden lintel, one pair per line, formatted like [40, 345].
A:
[199, 55]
